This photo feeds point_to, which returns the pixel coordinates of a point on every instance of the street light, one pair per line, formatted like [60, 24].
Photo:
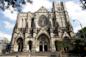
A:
[80, 26]
[78, 22]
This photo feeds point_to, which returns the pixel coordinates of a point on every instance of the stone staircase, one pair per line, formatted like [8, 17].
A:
[44, 54]
[33, 54]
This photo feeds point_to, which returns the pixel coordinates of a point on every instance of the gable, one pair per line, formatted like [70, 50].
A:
[42, 9]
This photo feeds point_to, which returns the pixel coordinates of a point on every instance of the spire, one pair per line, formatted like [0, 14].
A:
[54, 16]
[62, 5]
[53, 10]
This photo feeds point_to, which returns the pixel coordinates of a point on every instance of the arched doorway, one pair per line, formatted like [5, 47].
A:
[66, 43]
[56, 45]
[30, 45]
[20, 44]
[43, 43]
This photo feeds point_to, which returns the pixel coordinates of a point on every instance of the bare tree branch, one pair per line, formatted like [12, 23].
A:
[14, 3]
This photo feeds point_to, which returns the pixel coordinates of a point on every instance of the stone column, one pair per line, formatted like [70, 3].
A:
[51, 33]
[36, 46]
[15, 48]
[25, 48]
[52, 45]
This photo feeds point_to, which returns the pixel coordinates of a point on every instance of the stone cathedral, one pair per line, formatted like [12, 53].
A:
[40, 31]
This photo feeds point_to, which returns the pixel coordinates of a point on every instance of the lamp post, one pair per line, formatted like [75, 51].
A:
[78, 22]
[81, 27]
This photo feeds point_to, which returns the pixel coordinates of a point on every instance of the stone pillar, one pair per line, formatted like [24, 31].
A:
[34, 35]
[51, 33]
[15, 48]
[36, 46]
[33, 48]
[25, 48]
[34, 32]
[52, 45]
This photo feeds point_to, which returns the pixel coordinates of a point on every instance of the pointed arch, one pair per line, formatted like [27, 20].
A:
[20, 44]
[42, 32]
[44, 42]
[65, 34]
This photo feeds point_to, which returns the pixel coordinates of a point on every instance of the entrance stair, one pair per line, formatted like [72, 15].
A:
[33, 54]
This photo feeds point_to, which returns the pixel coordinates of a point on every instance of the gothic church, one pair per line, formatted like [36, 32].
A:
[40, 31]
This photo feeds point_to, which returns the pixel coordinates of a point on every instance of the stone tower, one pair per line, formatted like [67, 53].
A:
[40, 31]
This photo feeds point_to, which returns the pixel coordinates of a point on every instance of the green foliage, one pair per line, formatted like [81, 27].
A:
[81, 33]
[63, 44]
[78, 47]
[60, 44]
[14, 3]
[82, 30]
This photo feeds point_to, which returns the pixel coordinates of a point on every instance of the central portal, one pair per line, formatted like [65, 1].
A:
[43, 46]
[43, 43]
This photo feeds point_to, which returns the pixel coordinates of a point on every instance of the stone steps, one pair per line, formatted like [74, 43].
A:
[45, 54]
[33, 54]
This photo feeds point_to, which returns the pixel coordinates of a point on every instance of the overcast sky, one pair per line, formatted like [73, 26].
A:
[8, 17]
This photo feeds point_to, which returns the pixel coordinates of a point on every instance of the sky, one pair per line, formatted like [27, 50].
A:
[8, 17]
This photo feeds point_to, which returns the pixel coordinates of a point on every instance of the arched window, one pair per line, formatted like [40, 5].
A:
[32, 23]
[30, 45]
[43, 21]
[32, 27]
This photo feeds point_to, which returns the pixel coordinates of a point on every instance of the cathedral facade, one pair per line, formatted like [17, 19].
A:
[40, 31]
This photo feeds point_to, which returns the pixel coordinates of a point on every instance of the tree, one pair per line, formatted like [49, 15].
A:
[5, 40]
[83, 2]
[14, 3]
[80, 43]
[67, 44]
[4, 43]
[79, 48]
[81, 33]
